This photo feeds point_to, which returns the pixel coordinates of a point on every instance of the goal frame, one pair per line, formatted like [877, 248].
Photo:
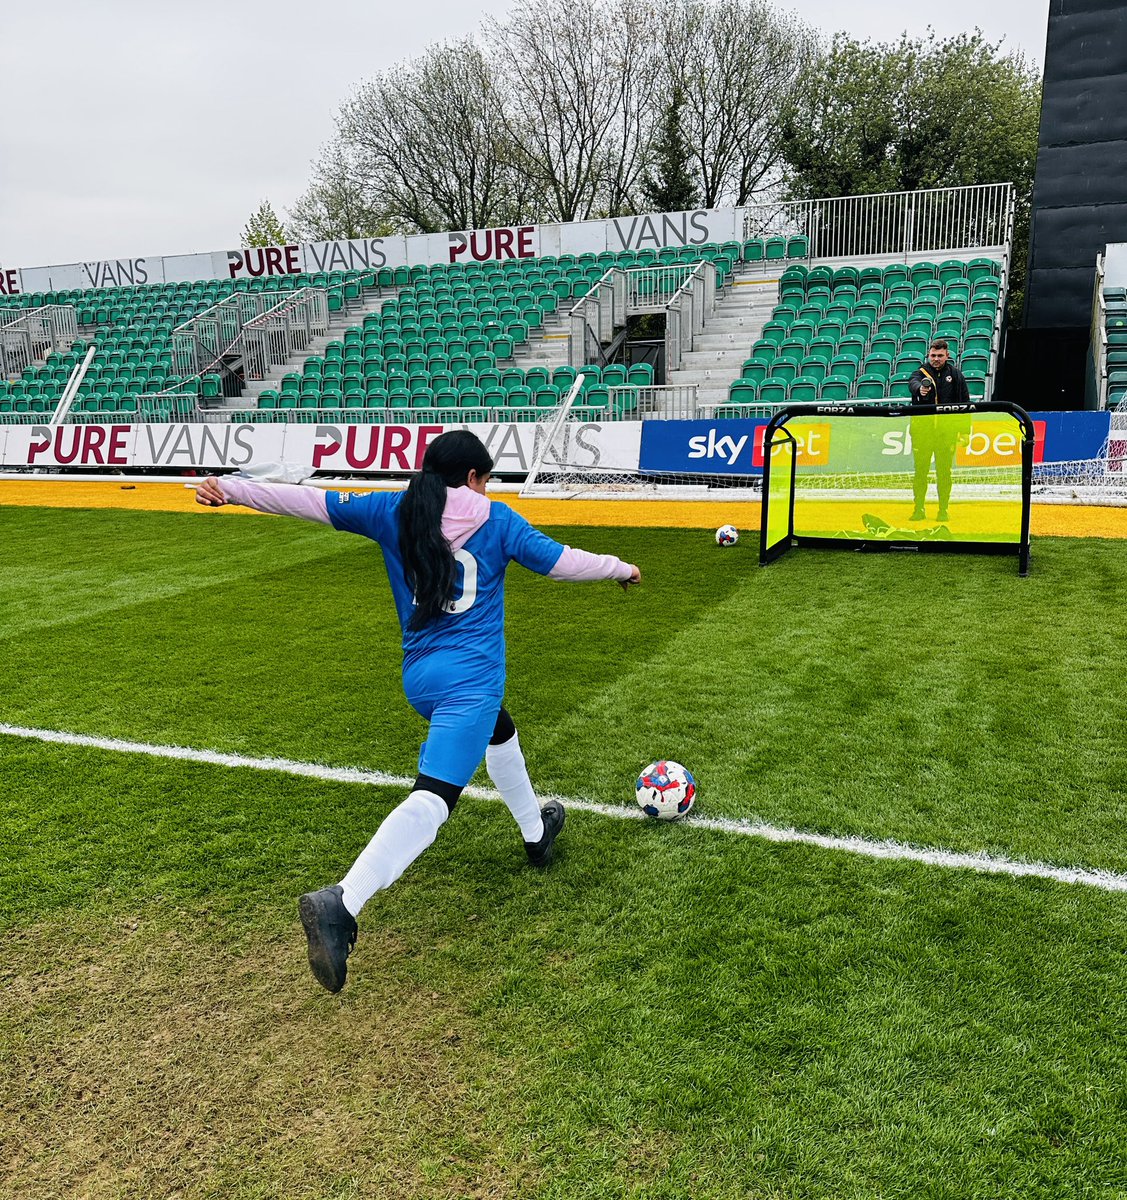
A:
[773, 545]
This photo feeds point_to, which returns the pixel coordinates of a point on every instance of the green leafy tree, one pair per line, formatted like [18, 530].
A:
[668, 185]
[917, 113]
[264, 228]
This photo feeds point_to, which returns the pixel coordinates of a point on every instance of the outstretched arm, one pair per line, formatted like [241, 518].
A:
[284, 499]
[580, 566]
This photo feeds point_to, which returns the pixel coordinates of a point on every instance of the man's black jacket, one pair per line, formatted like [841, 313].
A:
[949, 386]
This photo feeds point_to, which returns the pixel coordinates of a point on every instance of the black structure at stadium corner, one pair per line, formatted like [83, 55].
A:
[1079, 200]
[774, 543]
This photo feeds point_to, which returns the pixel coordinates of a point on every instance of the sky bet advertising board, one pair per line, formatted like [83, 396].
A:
[735, 447]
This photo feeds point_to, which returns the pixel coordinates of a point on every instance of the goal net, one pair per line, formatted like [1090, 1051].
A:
[915, 477]
[1100, 480]
[566, 464]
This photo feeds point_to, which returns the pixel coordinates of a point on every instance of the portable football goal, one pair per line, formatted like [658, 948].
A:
[914, 477]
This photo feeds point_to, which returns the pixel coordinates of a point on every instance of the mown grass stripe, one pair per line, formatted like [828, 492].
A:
[1108, 881]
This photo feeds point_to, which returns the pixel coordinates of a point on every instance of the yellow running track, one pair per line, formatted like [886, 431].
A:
[1048, 520]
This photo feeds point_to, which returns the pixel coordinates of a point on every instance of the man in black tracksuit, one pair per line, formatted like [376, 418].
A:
[937, 381]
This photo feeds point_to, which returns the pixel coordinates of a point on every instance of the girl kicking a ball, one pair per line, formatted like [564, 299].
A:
[446, 547]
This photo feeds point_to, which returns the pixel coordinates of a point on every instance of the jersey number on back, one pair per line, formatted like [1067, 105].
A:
[469, 582]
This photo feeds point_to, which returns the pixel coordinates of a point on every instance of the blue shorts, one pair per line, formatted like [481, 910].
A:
[462, 719]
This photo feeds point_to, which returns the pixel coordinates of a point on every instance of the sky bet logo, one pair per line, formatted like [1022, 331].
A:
[991, 443]
[813, 446]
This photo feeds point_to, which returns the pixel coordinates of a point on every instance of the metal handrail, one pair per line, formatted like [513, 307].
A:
[1099, 335]
[72, 386]
[607, 297]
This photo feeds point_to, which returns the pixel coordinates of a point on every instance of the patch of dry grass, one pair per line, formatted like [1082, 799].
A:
[159, 1057]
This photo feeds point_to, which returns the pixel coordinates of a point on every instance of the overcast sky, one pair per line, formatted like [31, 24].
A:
[150, 127]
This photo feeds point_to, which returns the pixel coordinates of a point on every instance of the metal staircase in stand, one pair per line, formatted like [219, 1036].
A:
[718, 354]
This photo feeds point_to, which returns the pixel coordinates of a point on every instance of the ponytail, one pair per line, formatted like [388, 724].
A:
[428, 562]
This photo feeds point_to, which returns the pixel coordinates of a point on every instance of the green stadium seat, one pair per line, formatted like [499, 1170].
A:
[753, 250]
[743, 391]
[814, 368]
[639, 375]
[905, 364]
[835, 389]
[974, 365]
[803, 390]
[877, 366]
[981, 325]
[983, 268]
[783, 370]
[754, 370]
[844, 367]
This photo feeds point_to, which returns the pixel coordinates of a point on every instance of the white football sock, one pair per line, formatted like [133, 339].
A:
[405, 833]
[506, 768]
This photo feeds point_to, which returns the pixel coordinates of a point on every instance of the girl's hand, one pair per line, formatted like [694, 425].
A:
[208, 493]
[635, 578]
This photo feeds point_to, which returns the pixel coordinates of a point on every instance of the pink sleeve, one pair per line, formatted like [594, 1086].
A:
[579, 566]
[285, 499]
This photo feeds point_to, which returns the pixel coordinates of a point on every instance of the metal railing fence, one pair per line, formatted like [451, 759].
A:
[595, 316]
[148, 408]
[650, 289]
[30, 334]
[201, 345]
[284, 330]
[978, 217]
[686, 293]
[669, 402]
[688, 309]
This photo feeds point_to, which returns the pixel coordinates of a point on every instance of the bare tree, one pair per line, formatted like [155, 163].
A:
[430, 142]
[555, 116]
[737, 62]
[577, 93]
[336, 203]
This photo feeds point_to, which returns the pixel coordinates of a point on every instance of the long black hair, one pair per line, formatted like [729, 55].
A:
[428, 562]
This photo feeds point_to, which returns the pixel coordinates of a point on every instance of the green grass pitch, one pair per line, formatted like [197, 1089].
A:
[669, 1011]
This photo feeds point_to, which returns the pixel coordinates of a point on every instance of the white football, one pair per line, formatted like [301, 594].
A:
[665, 790]
[727, 535]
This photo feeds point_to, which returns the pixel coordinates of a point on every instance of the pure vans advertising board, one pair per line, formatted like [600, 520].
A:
[322, 446]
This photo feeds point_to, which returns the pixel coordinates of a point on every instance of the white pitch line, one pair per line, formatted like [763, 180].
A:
[1108, 881]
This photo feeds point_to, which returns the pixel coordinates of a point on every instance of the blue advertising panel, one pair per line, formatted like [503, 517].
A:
[733, 447]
